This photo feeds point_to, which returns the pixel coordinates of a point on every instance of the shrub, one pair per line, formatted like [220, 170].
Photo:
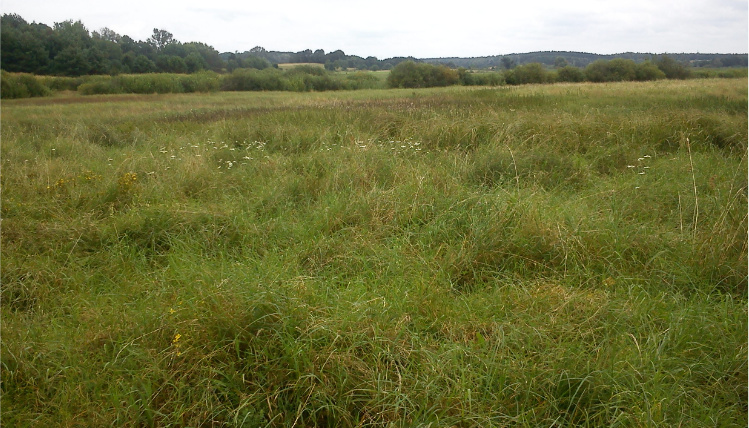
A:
[570, 74]
[311, 82]
[480, 79]
[528, 73]
[615, 70]
[409, 74]
[33, 85]
[21, 86]
[672, 68]
[648, 71]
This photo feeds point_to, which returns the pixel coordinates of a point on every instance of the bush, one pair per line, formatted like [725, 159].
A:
[672, 68]
[409, 74]
[528, 73]
[21, 86]
[648, 71]
[570, 74]
[616, 70]
[480, 79]
[33, 85]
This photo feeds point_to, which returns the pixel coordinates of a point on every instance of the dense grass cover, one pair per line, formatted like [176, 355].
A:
[551, 255]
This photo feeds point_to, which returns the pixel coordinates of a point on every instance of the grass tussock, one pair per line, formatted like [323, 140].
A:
[569, 254]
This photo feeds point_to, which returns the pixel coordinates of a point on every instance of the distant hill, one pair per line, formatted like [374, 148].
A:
[582, 59]
[338, 59]
[332, 60]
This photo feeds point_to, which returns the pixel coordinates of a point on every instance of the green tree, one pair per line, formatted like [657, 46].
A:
[623, 69]
[23, 46]
[142, 64]
[68, 49]
[97, 63]
[256, 62]
[108, 35]
[195, 62]
[160, 39]
[70, 34]
[209, 54]
[410, 74]
[648, 71]
[570, 74]
[615, 70]
[335, 56]
[70, 62]
[406, 75]
[175, 49]
[318, 57]
[527, 73]
[105, 43]
[672, 68]
[171, 64]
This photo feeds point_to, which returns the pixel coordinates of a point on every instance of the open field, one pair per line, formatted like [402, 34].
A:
[558, 255]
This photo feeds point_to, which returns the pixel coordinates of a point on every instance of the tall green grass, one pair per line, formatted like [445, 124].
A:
[545, 255]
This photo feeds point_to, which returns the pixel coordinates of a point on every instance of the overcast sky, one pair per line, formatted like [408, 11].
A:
[423, 29]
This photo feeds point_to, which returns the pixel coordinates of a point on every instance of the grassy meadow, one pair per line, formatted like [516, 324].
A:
[556, 255]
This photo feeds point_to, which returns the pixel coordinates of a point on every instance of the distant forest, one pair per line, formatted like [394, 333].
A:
[581, 59]
[69, 49]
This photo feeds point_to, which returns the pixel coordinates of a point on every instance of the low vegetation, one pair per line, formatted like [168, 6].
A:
[538, 255]
[309, 77]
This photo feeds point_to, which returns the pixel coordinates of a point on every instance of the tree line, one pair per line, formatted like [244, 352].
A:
[69, 49]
